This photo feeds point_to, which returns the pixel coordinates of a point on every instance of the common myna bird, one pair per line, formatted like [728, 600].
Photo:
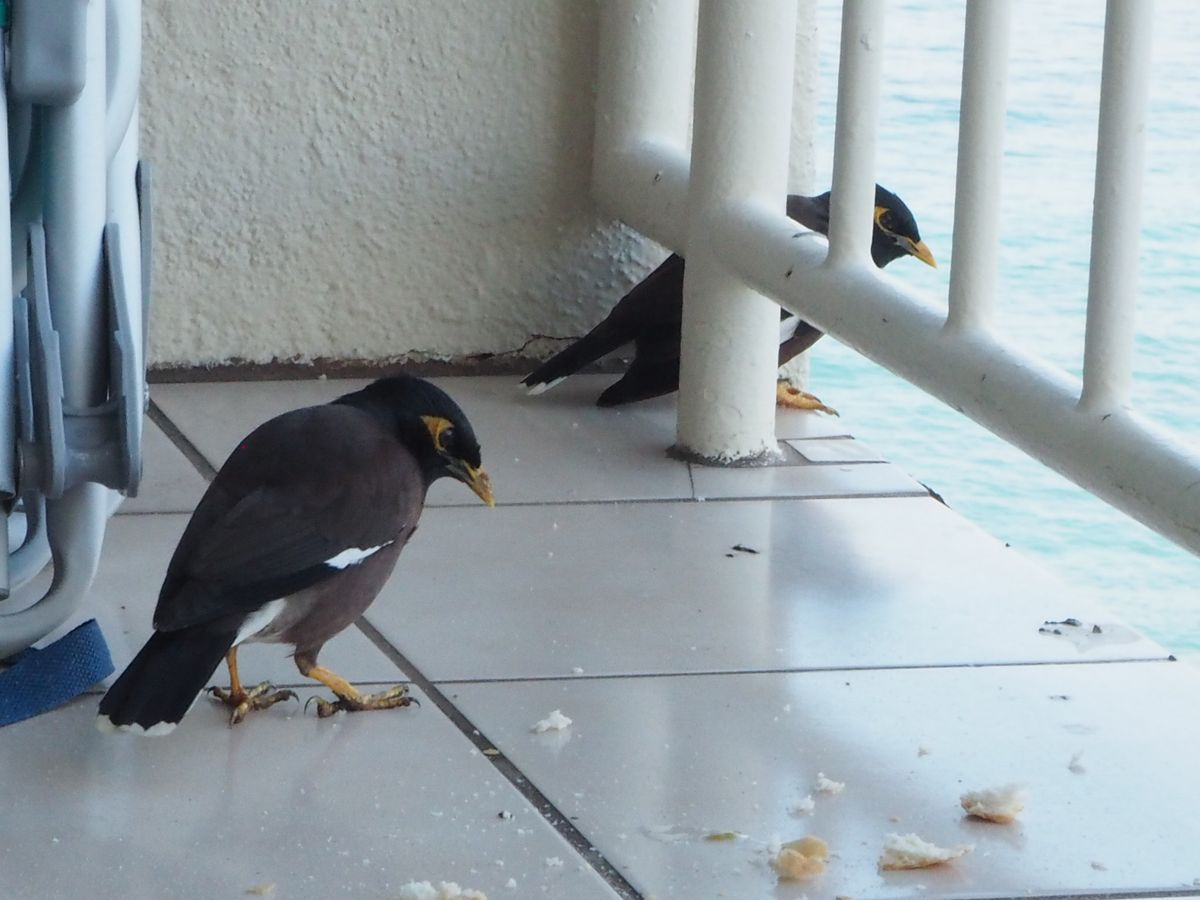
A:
[290, 544]
[651, 315]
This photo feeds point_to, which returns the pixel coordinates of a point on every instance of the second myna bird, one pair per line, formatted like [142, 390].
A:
[651, 315]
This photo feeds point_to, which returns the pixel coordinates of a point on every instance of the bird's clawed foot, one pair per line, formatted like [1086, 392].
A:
[389, 699]
[242, 702]
[794, 398]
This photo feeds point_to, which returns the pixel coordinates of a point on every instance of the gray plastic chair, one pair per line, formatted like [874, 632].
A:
[72, 354]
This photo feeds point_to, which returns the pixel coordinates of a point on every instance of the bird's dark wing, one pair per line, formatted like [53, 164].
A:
[802, 338]
[811, 212]
[300, 490]
[653, 372]
[655, 302]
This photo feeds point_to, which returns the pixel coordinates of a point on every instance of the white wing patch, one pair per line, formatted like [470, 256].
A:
[259, 619]
[787, 328]
[352, 556]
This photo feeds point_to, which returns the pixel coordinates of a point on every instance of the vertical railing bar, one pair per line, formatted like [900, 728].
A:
[1116, 212]
[860, 70]
[643, 93]
[746, 53]
[980, 159]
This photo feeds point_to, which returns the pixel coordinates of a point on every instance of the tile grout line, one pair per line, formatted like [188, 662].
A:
[710, 673]
[898, 667]
[176, 436]
[553, 816]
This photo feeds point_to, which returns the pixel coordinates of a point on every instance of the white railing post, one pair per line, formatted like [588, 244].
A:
[860, 67]
[1116, 212]
[742, 138]
[643, 113]
[980, 158]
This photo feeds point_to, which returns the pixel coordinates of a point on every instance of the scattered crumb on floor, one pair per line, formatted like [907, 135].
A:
[825, 785]
[556, 721]
[999, 805]
[801, 860]
[908, 851]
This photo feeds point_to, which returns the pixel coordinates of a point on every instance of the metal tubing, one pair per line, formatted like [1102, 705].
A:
[980, 158]
[643, 110]
[124, 23]
[74, 188]
[123, 209]
[74, 180]
[1116, 213]
[1121, 457]
[859, 72]
[8, 417]
[744, 63]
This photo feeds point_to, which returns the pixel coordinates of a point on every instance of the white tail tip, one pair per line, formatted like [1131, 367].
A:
[543, 386]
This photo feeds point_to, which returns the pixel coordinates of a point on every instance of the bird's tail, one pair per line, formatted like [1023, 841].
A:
[164, 679]
[601, 340]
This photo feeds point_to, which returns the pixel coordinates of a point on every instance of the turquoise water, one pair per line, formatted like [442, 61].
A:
[1054, 87]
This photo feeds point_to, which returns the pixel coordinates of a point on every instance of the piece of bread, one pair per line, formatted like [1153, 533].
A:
[995, 804]
[908, 851]
[801, 860]
[556, 721]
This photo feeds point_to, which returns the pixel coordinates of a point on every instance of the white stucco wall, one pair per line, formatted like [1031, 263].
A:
[381, 179]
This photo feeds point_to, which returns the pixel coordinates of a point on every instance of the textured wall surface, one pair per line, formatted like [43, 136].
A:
[380, 179]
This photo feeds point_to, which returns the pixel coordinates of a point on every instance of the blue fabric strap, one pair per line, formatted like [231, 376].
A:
[39, 680]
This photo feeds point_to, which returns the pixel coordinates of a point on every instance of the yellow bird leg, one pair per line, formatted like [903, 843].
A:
[241, 701]
[794, 398]
[349, 698]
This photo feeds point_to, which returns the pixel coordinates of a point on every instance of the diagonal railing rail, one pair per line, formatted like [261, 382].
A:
[719, 197]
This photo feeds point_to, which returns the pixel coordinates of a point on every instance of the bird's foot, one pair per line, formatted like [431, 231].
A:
[242, 702]
[389, 699]
[794, 398]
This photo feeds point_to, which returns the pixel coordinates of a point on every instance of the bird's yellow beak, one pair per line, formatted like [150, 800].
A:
[923, 253]
[479, 482]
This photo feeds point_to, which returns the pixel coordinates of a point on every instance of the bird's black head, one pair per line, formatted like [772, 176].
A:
[895, 233]
[429, 424]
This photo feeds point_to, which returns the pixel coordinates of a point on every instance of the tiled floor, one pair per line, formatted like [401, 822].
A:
[821, 616]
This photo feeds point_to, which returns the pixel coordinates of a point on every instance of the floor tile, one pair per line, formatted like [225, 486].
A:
[802, 479]
[351, 806]
[658, 587]
[124, 594]
[840, 450]
[170, 483]
[650, 766]
[554, 447]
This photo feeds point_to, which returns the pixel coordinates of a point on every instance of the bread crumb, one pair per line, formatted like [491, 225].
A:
[908, 851]
[825, 785]
[999, 805]
[556, 721]
[511, 884]
[446, 890]
[262, 890]
[1099, 866]
[801, 860]
[804, 806]
[554, 862]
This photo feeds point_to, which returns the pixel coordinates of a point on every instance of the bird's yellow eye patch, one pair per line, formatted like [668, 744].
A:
[438, 429]
[883, 218]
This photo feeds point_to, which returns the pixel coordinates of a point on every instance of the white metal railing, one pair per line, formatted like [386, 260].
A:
[728, 221]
